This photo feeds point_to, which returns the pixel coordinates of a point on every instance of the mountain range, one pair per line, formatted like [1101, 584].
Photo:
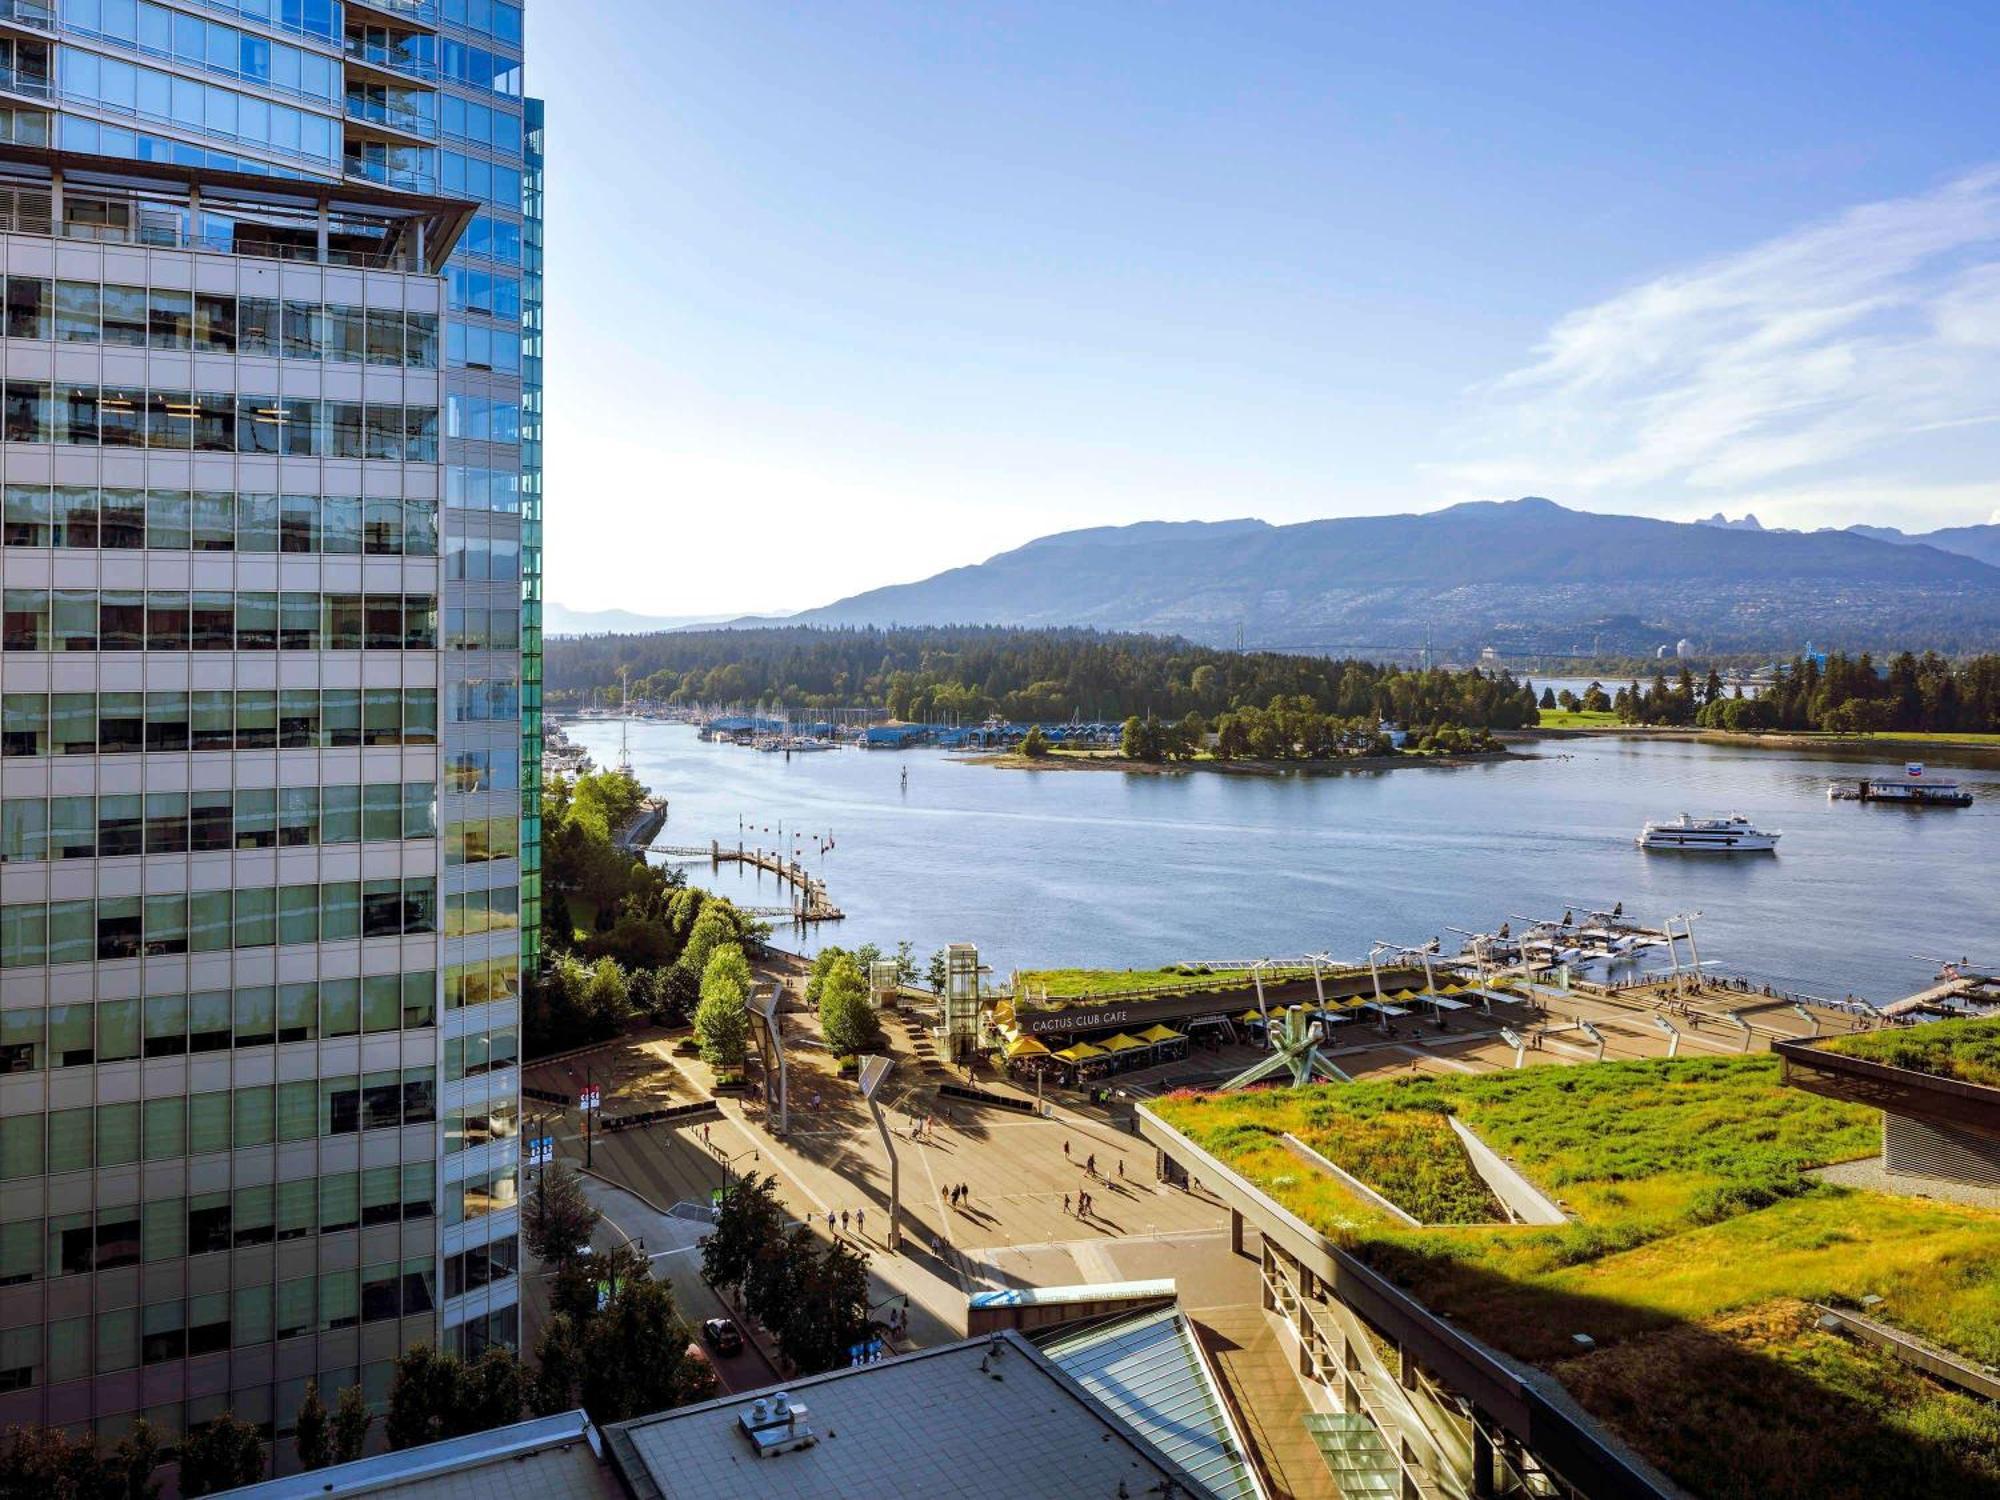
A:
[1521, 576]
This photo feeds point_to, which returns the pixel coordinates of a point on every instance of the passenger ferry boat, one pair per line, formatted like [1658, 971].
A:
[1707, 836]
[1912, 789]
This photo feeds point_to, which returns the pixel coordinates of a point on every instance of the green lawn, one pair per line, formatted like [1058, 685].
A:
[1966, 1050]
[1083, 984]
[1954, 737]
[1698, 1242]
[1564, 718]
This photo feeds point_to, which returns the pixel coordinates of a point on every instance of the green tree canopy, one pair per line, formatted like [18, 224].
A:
[351, 1421]
[846, 1012]
[559, 1220]
[312, 1430]
[224, 1454]
[748, 1217]
[721, 1024]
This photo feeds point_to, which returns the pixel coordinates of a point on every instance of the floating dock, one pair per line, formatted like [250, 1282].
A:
[810, 900]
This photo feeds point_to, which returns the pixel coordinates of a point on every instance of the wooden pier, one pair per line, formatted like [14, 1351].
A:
[810, 901]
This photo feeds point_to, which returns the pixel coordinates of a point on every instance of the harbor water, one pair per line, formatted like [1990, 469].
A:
[1065, 868]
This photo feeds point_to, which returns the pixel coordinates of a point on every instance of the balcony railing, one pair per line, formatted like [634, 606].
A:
[387, 176]
[418, 12]
[388, 59]
[13, 81]
[164, 237]
[36, 14]
[375, 112]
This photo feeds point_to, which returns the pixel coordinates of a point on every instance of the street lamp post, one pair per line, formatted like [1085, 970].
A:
[873, 1071]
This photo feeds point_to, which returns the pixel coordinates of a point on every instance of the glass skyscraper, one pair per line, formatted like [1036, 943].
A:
[269, 695]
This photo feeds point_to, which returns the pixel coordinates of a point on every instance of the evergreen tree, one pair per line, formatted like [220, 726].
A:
[312, 1434]
[423, 1398]
[829, 1313]
[559, 1361]
[224, 1454]
[635, 1355]
[351, 1421]
[748, 1217]
[132, 1462]
[560, 1219]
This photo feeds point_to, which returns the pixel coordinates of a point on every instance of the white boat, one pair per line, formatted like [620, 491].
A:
[1912, 789]
[1692, 835]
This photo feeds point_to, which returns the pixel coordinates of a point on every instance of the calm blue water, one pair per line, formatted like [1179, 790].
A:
[1094, 867]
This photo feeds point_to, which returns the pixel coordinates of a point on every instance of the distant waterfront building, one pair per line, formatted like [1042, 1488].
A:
[272, 312]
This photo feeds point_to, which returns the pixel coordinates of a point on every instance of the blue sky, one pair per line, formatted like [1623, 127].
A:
[841, 294]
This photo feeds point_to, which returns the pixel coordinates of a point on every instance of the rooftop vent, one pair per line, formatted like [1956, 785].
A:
[775, 1426]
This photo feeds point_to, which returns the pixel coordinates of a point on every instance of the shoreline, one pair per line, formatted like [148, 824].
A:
[1777, 739]
[1013, 760]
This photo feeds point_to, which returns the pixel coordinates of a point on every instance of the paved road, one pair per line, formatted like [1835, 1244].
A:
[672, 1247]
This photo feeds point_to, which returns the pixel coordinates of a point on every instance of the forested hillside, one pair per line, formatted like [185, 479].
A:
[1023, 675]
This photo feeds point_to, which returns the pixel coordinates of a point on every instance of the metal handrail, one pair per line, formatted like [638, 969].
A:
[35, 88]
[32, 13]
[388, 176]
[388, 59]
[373, 112]
[169, 239]
[425, 11]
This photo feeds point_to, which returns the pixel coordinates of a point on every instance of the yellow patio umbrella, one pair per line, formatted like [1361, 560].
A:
[1404, 995]
[1158, 1034]
[1452, 989]
[1003, 1012]
[1251, 1015]
[1080, 1052]
[1024, 1046]
[1121, 1043]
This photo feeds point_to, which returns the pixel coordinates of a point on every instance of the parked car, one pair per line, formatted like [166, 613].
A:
[722, 1336]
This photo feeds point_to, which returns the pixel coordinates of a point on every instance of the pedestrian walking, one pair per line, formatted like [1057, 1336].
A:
[829, 1221]
[1065, 1150]
[1121, 1168]
[1090, 1165]
[843, 1221]
[860, 1220]
[1065, 1204]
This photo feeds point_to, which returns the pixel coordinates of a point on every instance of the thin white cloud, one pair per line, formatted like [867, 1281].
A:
[1816, 361]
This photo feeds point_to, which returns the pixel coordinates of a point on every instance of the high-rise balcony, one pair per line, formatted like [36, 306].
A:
[395, 118]
[24, 83]
[410, 179]
[32, 15]
[369, 52]
[423, 13]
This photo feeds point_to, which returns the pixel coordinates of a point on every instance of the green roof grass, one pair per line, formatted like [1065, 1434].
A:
[1084, 984]
[1699, 1240]
[1968, 1051]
